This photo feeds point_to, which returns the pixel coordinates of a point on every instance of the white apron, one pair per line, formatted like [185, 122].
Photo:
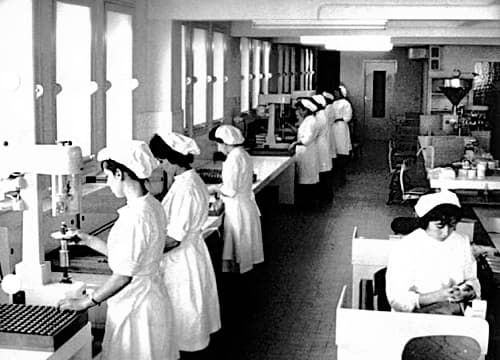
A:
[325, 159]
[242, 229]
[341, 109]
[139, 318]
[188, 272]
[330, 119]
[306, 155]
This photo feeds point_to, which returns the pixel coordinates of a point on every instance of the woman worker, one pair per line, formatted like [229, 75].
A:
[138, 319]
[432, 269]
[306, 150]
[341, 114]
[329, 116]
[325, 159]
[187, 269]
[242, 229]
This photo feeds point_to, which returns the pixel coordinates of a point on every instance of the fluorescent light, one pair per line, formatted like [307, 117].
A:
[350, 42]
[346, 24]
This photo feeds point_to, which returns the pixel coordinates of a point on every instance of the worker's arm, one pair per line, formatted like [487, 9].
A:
[113, 285]
[81, 238]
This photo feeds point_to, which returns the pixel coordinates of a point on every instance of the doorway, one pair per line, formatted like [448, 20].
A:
[378, 98]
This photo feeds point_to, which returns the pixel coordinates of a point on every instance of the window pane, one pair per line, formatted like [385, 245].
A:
[265, 66]
[245, 72]
[378, 109]
[255, 72]
[119, 73]
[17, 123]
[73, 67]
[183, 76]
[200, 72]
[218, 71]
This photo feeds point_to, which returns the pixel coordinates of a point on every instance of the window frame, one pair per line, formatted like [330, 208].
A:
[189, 128]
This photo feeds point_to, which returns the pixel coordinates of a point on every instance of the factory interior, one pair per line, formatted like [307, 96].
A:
[422, 79]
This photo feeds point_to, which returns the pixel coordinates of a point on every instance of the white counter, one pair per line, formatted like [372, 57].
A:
[270, 170]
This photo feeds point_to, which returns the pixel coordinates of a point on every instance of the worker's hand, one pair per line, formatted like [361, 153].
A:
[446, 294]
[213, 189]
[76, 236]
[74, 304]
[462, 292]
[292, 146]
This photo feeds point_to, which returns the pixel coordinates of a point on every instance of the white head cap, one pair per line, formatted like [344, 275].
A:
[229, 135]
[308, 104]
[327, 95]
[134, 154]
[319, 99]
[428, 202]
[182, 144]
[343, 90]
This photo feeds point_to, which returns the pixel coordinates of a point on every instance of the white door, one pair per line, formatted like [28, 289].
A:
[378, 98]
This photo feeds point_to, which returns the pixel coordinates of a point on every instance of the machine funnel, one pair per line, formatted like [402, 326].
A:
[455, 90]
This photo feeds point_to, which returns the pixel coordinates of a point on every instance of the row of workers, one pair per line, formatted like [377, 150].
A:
[162, 294]
[323, 139]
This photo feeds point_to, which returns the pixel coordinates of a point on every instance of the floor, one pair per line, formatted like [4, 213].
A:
[285, 307]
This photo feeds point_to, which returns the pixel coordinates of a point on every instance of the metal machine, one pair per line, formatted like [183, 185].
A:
[455, 89]
[26, 168]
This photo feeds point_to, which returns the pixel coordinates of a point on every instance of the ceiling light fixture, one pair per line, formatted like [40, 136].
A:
[350, 42]
[341, 24]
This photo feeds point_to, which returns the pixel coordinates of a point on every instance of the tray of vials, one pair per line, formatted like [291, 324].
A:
[38, 327]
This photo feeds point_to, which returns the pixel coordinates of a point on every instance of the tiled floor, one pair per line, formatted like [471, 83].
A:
[284, 309]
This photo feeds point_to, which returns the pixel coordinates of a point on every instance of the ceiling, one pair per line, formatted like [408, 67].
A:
[407, 23]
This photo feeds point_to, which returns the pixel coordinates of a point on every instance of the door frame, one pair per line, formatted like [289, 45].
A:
[389, 104]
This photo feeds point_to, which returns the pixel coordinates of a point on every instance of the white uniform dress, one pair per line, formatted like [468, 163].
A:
[342, 109]
[325, 160]
[422, 264]
[139, 316]
[330, 119]
[307, 159]
[242, 229]
[187, 269]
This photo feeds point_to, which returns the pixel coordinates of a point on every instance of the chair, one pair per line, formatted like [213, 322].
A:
[442, 347]
[398, 152]
[411, 193]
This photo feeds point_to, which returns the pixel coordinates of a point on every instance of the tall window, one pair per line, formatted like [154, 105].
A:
[119, 74]
[218, 73]
[184, 76]
[202, 70]
[200, 74]
[255, 73]
[245, 73]
[73, 69]
[266, 53]
[17, 120]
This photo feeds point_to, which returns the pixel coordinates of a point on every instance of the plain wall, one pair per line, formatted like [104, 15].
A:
[408, 81]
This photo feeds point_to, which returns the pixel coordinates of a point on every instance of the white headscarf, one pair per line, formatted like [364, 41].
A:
[327, 95]
[182, 144]
[134, 154]
[428, 202]
[229, 135]
[308, 104]
[319, 99]
[343, 90]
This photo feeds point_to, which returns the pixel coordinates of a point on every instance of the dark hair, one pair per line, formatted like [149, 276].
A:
[299, 105]
[112, 166]
[446, 213]
[161, 150]
[318, 105]
[328, 101]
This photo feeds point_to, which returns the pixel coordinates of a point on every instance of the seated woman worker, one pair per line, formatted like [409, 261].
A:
[432, 269]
